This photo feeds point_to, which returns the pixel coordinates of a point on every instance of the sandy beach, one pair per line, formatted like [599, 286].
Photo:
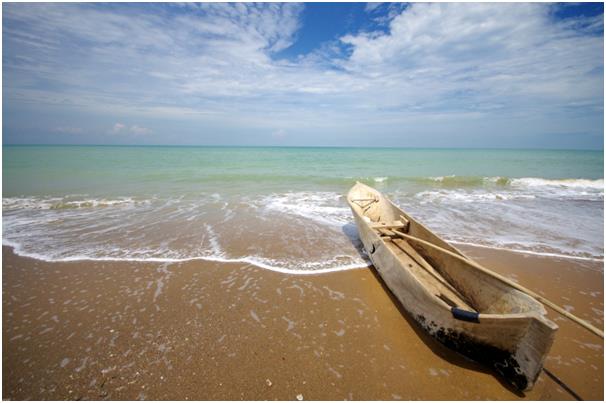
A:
[204, 330]
[178, 219]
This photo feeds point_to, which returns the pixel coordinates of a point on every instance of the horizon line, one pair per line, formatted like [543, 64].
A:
[296, 146]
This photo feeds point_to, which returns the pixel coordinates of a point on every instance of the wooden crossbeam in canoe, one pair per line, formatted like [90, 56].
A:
[368, 202]
[401, 224]
[393, 224]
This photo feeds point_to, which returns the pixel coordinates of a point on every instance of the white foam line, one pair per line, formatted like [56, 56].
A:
[529, 252]
[248, 260]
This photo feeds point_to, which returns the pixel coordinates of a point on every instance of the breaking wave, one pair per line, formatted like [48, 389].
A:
[322, 207]
[473, 189]
[596, 184]
[67, 202]
[63, 229]
[431, 196]
[306, 231]
[490, 181]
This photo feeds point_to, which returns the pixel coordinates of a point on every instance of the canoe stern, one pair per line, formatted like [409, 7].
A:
[520, 363]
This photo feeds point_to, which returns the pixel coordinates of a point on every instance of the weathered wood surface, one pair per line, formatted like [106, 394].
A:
[509, 332]
[505, 280]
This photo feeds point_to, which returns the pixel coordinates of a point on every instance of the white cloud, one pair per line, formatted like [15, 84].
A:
[217, 63]
[372, 6]
[117, 128]
[483, 52]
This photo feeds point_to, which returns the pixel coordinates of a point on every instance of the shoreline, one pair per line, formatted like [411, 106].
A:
[211, 330]
[249, 260]
[528, 252]
[210, 259]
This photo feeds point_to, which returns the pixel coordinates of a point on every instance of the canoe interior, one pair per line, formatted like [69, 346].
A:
[433, 281]
[448, 279]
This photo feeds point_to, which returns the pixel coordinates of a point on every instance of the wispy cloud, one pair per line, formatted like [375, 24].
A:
[218, 64]
[139, 130]
[121, 128]
[279, 134]
[68, 130]
[117, 129]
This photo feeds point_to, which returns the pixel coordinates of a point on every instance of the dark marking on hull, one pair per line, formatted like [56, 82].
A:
[503, 362]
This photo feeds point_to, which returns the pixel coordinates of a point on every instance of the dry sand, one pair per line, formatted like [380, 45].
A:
[203, 330]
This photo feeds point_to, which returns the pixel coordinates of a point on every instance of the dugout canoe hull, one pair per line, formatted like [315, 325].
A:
[460, 306]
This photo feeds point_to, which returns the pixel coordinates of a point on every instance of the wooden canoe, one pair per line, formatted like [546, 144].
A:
[466, 309]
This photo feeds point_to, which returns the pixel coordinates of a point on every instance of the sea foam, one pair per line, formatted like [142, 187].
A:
[597, 184]
[321, 207]
[308, 268]
[303, 232]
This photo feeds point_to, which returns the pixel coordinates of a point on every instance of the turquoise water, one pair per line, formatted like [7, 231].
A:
[70, 202]
[57, 170]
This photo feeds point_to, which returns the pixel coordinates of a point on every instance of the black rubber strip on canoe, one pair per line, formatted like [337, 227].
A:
[467, 316]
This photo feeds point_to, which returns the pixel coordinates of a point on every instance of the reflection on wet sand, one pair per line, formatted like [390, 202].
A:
[204, 330]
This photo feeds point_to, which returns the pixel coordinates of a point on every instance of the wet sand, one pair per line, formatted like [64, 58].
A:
[204, 330]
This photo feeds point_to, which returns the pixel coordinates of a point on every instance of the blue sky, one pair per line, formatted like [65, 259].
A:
[523, 75]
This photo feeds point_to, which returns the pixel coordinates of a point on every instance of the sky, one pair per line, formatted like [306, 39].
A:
[494, 75]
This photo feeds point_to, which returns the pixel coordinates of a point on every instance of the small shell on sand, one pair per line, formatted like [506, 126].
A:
[299, 397]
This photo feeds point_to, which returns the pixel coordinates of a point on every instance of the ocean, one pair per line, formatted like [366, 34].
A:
[284, 209]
